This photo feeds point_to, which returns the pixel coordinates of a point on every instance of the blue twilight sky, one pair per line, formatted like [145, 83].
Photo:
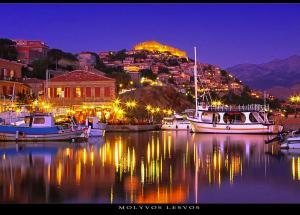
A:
[225, 34]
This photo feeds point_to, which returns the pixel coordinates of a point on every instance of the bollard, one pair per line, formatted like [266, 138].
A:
[17, 135]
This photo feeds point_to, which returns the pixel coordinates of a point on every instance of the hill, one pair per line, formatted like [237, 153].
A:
[279, 76]
[162, 96]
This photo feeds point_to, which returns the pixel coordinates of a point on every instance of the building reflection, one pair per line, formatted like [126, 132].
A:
[150, 167]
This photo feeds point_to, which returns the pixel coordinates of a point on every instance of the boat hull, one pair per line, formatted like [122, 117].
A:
[291, 143]
[181, 127]
[202, 127]
[96, 133]
[65, 136]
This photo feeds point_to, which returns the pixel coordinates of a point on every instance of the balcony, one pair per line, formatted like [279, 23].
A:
[59, 101]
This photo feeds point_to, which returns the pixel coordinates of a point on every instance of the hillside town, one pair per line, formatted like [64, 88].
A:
[68, 82]
[144, 107]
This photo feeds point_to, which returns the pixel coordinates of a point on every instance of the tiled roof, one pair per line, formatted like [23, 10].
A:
[80, 75]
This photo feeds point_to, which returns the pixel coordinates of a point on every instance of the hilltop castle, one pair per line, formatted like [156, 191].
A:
[155, 46]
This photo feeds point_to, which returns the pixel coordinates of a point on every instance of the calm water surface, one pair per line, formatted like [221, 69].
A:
[151, 167]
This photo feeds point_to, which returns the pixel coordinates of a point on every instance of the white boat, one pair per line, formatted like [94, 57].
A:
[246, 119]
[241, 119]
[94, 127]
[292, 141]
[176, 122]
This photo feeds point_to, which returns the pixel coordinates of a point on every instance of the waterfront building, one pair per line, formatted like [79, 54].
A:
[31, 50]
[10, 78]
[84, 92]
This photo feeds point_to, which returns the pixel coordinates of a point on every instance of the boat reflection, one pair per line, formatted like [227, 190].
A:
[148, 167]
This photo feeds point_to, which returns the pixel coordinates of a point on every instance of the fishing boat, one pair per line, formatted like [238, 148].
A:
[38, 127]
[176, 122]
[240, 119]
[94, 128]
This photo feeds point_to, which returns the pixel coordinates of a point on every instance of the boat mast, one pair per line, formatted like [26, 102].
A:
[195, 79]
[265, 106]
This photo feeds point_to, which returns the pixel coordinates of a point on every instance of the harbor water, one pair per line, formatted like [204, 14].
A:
[151, 167]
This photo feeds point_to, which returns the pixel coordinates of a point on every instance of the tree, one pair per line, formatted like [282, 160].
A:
[163, 70]
[57, 54]
[224, 73]
[171, 80]
[147, 73]
[173, 62]
[40, 67]
[8, 49]
[121, 78]
[120, 55]
[23, 98]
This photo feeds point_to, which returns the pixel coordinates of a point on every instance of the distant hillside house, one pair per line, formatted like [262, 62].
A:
[86, 59]
[81, 87]
[31, 50]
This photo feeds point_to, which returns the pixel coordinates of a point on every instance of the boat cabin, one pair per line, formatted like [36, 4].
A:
[38, 121]
[233, 115]
[93, 122]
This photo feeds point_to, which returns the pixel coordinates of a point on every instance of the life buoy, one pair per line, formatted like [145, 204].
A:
[203, 106]
[227, 127]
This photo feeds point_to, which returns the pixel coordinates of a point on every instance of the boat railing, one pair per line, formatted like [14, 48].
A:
[249, 107]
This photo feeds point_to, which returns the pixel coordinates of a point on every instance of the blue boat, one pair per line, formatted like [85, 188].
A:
[38, 128]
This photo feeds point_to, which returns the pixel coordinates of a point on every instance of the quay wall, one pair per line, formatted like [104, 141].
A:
[132, 127]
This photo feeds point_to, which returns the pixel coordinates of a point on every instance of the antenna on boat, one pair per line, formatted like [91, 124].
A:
[195, 79]
[13, 94]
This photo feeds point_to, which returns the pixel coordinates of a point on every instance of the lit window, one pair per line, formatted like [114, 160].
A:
[49, 92]
[78, 92]
[12, 73]
[60, 93]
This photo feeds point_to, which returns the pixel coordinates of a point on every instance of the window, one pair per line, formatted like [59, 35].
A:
[78, 92]
[60, 93]
[88, 92]
[12, 73]
[106, 91]
[39, 120]
[97, 91]
[49, 92]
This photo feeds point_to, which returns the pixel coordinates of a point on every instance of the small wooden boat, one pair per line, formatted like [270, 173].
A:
[38, 127]
[292, 141]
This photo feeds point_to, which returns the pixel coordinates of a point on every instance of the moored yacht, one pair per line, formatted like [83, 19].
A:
[176, 122]
[250, 119]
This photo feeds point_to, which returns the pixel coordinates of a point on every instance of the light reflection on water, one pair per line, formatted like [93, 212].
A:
[151, 167]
